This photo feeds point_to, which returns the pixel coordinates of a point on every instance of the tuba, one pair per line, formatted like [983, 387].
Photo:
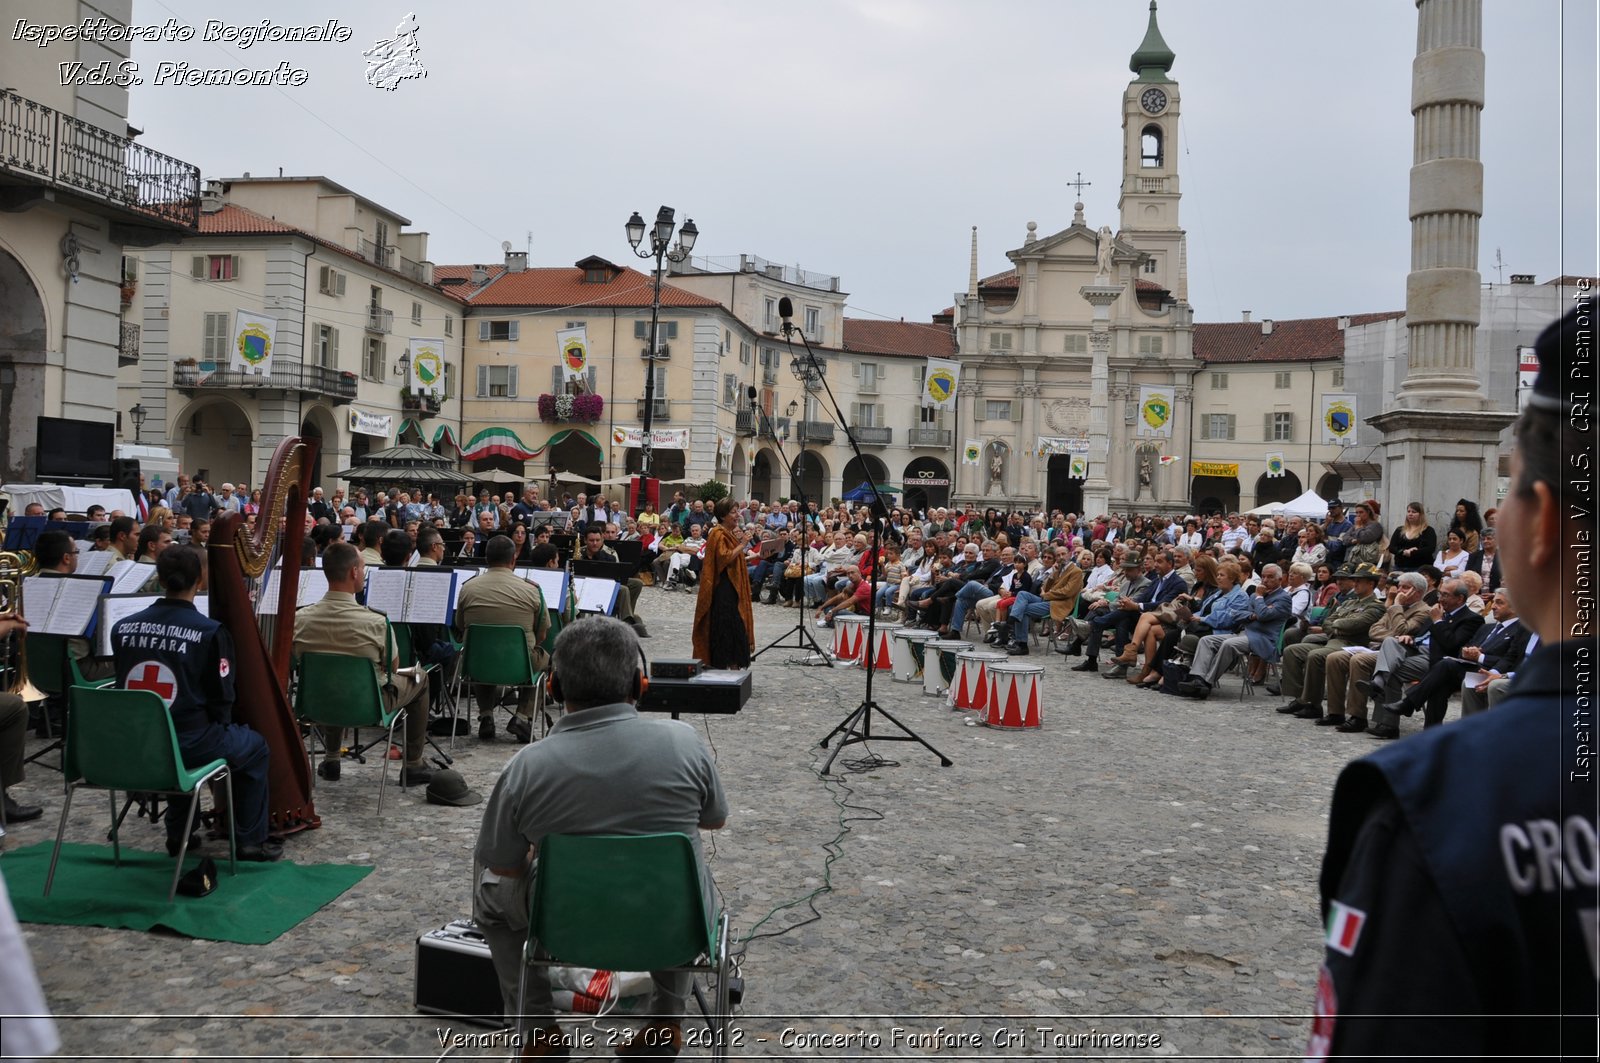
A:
[14, 568]
[235, 556]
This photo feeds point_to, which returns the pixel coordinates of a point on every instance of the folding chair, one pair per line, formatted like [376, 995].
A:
[497, 655]
[54, 671]
[405, 649]
[338, 690]
[628, 903]
[124, 740]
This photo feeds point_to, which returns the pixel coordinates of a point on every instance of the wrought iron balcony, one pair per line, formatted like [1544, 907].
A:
[128, 348]
[663, 352]
[662, 411]
[928, 437]
[769, 375]
[44, 147]
[379, 319]
[744, 422]
[337, 385]
[774, 428]
[377, 253]
[872, 436]
[816, 432]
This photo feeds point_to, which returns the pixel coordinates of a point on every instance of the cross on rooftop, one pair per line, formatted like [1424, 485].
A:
[1078, 184]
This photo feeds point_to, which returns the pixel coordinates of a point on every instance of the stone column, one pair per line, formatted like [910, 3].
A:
[1442, 290]
[1441, 441]
[1097, 488]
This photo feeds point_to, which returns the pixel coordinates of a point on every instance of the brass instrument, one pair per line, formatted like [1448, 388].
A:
[14, 568]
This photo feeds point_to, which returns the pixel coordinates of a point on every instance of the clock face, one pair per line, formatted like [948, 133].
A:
[1154, 101]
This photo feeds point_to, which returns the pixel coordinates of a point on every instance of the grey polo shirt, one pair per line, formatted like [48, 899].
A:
[602, 770]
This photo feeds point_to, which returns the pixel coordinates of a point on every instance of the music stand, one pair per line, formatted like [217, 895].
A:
[857, 727]
[804, 639]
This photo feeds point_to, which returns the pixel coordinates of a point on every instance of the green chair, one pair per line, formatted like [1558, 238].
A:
[497, 655]
[628, 903]
[338, 690]
[124, 740]
[54, 670]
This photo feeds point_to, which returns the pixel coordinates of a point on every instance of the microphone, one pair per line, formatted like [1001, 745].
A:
[751, 392]
[786, 313]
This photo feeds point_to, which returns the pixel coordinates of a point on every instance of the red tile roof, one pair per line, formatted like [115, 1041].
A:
[1143, 285]
[1008, 279]
[464, 272]
[913, 339]
[1312, 339]
[234, 220]
[565, 286]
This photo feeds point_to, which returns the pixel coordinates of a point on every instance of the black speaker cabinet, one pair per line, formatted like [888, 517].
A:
[125, 473]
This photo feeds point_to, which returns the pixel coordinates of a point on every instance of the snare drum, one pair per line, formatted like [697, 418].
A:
[1015, 689]
[848, 634]
[881, 656]
[970, 689]
[907, 653]
[940, 669]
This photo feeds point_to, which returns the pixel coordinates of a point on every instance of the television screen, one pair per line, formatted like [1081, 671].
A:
[74, 450]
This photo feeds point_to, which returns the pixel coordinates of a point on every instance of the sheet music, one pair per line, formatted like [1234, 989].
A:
[95, 562]
[121, 606]
[552, 584]
[386, 591]
[57, 606]
[313, 587]
[431, 596]
[596, 595]
[463, 576]
[128, 577]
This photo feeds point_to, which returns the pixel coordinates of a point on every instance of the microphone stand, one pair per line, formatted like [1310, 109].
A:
[805, 640]
[857, 727]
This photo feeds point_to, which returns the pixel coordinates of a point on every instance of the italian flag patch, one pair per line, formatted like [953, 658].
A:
[1344, 928]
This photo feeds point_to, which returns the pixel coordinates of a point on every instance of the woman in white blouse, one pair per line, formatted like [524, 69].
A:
[1311, 552]
[1102, 573]
[1191, 535]
[1453, 559]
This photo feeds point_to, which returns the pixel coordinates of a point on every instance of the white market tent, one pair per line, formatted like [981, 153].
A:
[1309, 505]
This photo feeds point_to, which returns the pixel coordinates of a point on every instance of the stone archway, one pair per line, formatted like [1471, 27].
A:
[666, 463]
[213, 438]
[1214, 494]
[925, 483]
[812, 478]
[24, 337]
[856, 470]
[318, 423]
[1063, 491]
[1329, 486]
[739, 484]
[764, 480]
[578, 454]
[1285, 488]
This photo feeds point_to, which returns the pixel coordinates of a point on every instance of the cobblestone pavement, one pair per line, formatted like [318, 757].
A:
[1141, 864]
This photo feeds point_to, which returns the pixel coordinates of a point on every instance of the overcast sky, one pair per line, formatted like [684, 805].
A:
[865, 138]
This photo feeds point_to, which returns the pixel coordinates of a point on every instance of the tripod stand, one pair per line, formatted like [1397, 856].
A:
[803, 638]
[856, 727]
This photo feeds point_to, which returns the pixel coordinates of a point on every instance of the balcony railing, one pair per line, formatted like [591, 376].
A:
[377, 253]
[338, 385]
[41, 145]
[744, 422]
[415, 271]
[379, 319]
[128, 347]
[775, 428]
[816, 431]
[873, 436]
[663, 352]
[769, 374]
[928, 437]
[662, 412]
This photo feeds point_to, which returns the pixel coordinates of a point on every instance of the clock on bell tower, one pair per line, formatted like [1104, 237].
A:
[1149, 199]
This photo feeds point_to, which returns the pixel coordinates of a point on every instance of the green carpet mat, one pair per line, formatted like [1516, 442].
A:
[253, 907]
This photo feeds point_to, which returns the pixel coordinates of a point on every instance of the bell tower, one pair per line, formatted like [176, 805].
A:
[1149, 199]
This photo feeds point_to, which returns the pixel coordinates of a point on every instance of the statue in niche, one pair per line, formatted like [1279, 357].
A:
[1146, 475]
[997, 466]
[1106, 241]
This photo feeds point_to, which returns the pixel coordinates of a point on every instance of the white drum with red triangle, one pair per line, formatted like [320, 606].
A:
[908, 653]
[1015, 690]
[848, 634]
[881, 656]
[971, 687]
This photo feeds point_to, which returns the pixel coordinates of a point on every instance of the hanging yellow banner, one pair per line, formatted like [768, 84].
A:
[1214, 468]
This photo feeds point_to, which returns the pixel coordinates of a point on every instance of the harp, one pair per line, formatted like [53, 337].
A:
[236, 555]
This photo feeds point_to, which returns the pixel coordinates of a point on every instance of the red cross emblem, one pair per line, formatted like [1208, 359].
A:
[154, 676]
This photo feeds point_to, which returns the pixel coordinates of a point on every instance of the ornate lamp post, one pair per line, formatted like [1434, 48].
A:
[660, 250]
[138, 414]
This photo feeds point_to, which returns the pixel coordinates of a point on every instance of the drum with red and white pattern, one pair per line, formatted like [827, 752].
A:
[881, 647]
[1015, 692]
[908, 653]
[970, 688]
[849, 631]
[939, 665]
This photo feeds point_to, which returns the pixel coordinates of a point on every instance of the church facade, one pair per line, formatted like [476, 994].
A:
[1078, 363]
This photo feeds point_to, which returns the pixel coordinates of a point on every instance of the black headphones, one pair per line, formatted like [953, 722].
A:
[641, 681]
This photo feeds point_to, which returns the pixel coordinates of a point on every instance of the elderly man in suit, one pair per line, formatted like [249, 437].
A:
[1349, 673]
[1403, 658]
[1270, 609]
[1349, 624]
[1164, 586]
[1496, 647]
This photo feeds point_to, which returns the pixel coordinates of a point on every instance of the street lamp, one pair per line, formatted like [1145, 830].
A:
[660, 249]
[138, 414]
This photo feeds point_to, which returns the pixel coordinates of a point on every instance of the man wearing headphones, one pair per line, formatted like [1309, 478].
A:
[602, 769]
